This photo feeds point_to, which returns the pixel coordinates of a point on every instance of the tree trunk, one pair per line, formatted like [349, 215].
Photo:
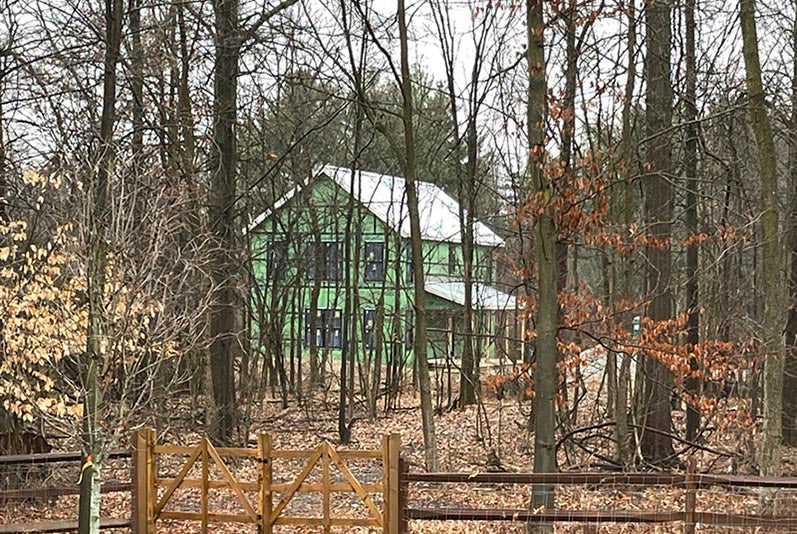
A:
[622, 435]
[657, 387]
[223, 346]
[565, 160]
[545, 374]
[770, 454]
[469, 377]
[419, 338]
[136, 78]
[790, 367]
[690, 168]
[99, 215]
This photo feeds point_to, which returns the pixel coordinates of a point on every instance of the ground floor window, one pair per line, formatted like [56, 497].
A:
[369, 328]
[328, 328]
[409, 324]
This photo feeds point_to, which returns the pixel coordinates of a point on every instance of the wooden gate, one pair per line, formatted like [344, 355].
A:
[153, 493]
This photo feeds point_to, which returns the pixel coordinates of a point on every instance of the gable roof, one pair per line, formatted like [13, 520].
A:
[385, 197]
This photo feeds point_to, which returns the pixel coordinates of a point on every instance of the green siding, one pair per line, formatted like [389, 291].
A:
[287, 290]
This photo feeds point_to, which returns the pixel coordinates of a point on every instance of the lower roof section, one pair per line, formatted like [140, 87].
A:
[483, 297]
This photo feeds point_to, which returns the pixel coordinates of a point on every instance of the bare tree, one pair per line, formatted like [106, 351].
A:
[770, 447]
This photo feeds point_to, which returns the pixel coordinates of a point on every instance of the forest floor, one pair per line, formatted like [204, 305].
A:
[496, 439]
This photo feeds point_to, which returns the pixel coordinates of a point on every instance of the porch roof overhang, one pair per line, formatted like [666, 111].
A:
[483, 297]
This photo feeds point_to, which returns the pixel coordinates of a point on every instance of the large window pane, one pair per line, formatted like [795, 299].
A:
[369, 328]
[374, 262]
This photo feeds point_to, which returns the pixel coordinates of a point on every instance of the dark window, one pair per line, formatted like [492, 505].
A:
[328, 328]
[453, 264]
[276, 259]
[331, 260]
[374, 262]
[489, 258]
[409, 264]
[369, 328]
[333, 331]
[409, 328]
[319, 328]
[311, 251]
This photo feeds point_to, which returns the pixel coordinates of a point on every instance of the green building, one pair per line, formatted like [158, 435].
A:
[340, 241]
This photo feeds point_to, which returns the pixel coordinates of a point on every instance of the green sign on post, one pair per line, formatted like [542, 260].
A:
[637, 321]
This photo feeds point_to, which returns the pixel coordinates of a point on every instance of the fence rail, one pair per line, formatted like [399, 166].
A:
[395, 486]
[690, 516]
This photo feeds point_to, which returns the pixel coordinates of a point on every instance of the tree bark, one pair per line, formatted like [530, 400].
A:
[223, 346]
[622, 434]
[657, 387]
[136, 77]
[419, 339]
[769, 453]
[789, 422]
[545, 374]
[690, 168]
[99, 215]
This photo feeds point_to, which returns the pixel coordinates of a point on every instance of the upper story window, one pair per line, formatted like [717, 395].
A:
[453, 261]
[374, 261]
[408, 260]
[276, 259]
[333, 260]
[330, 260]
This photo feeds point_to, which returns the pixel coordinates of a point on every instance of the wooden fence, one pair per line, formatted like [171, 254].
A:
[387, 501]
[690, 515]
[149, 504]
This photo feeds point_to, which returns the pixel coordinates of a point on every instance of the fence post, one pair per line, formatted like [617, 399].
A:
[691, 496]
[403, 494]
[143, 483]
[391, 457]
[385, 483]
[265, 496]
[205, 485]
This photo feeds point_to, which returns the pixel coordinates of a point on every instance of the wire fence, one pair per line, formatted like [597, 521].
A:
[39, 492]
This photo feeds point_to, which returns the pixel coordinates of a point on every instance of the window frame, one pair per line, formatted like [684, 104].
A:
[377, 274]
[453, 260]
[329, 328]
[369, 328]
[332, 266]
[275, 259]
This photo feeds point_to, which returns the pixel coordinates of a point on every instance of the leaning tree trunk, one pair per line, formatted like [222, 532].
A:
[419, 339]
[769, 452]
[657, 387]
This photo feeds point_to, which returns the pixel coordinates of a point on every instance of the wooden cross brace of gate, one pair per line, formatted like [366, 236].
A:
[207, 452]
[147, 508]
[326, 454]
